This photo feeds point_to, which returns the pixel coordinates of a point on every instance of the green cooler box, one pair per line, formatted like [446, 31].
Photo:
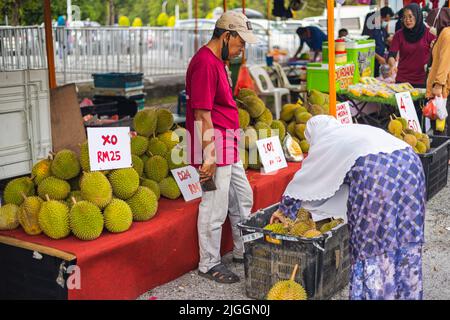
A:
[361, 53]
[317, 76]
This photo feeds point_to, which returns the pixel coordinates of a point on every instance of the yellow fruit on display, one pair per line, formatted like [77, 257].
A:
[276, 228]
[254, 106]
[395, 127]
[86, 220]
[266, 117]
[304, 145]
[303, 117]
[29, 215]
[421, 147]
[410, 139]
[41, 170]
[279, 129]
[9, 216]
[244, 118]
[287, 112]
[287, 289]
[15, 188]
[300, 131]
[312, 233]
[65, 165]
[300, 228]
[95, 187]
[54, 219]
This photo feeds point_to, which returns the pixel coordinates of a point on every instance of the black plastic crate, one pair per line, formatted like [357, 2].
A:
[102, 109]
[126, 106]
[117, 79]
[435, 165]
[124, 122]
[324, 262]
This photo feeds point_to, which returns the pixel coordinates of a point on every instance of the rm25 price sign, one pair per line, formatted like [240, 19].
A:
[271, 154]
[407, 110]
[109, 148]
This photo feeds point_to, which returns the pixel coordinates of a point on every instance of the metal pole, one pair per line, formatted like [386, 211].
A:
[268, 26]
[331, 56]
[49, 45]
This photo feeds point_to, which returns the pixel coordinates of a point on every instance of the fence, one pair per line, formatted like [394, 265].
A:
[79, 52]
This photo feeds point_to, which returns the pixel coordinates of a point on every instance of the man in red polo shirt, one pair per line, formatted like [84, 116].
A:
[213, 123]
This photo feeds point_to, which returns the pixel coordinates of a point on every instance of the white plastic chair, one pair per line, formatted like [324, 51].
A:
[257, 73]
[284, 81]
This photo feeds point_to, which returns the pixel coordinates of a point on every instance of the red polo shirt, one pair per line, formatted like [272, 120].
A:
[208, 88]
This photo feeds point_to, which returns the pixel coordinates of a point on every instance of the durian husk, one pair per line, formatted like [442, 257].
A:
[287, 289]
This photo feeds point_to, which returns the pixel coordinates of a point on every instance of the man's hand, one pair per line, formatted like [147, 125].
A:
[437, 90]
[207, 171]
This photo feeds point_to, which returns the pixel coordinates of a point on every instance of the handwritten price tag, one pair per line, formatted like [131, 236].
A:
[271, 154]
[188, 181]
[343, 113]
[109, 148]
[407, 110]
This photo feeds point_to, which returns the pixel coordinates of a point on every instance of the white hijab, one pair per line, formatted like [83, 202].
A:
[334, 148]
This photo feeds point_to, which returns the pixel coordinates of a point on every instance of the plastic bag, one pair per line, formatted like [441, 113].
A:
[430, 110]
[441, 107]
[244, 80]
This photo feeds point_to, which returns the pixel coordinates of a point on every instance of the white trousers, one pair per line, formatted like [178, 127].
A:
[233, 197]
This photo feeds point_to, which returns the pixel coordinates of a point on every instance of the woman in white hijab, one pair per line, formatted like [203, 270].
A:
[379, 182]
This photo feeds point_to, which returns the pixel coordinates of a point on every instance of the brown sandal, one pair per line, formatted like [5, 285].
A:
[221, 274]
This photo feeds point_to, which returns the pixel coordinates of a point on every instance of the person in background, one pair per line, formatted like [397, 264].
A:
[342, 33]
[438, 82]
[379, 34]
[313, 37]
[377, 183]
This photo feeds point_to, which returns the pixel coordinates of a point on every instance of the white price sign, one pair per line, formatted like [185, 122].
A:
[188, 181]
[343, 113]
[407, 110]
[109, 148]
[271, 154]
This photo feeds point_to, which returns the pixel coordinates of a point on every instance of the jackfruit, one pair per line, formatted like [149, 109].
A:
[143, 204]
[313, 233]
[410, 139]
[86, 220]
[56, 189]
[276, 228]
[156, 147]
[287, 112]
[41, 170]
[75, 195]
[243, 155]
[315, 110]
[250, 138]
[165, 120]
[302, 117]
[156, 168]
[118, 216]
[287, 289]
[254, 106]
[54, 219]
[421, 147]
[95, 187]
[169, 188]
[28, 215]
[291, 128]
[152, 185]
[137, 164]
[15, 188]
[395, 127]
[145, 122]
[65, 165]
[304, 145]
[300, 131]
[263, 130]
[139, 145]
[124, 182]
[170, 138]
[9, 216]
[245, 92]
[244, 118]
[279, 129]
[266, 117]
[316, 97]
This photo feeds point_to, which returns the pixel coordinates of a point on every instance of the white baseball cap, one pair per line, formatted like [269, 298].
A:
[237, 21]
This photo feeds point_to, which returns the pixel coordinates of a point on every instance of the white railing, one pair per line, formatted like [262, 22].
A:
[79, 52]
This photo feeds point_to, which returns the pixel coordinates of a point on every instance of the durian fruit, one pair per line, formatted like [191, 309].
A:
[73, 195]
[86, 220]
[316, 97]
[276, 228]
[313, 233]
[250, 137]
[143, 204]
[28, 215]
[291, 128]
[9, 216]
[145, 122]
[410, 139]
[118, 216]
[139, 145]
[263, 130]
[124, 182]
[95, 187]
[152, 185]
[421, 147]
[65, 165]
[84, 157]
[278, 128]
[426, 141]
[138, 164]
[245, 92]
[287, 289]
[14, 189]
[403, 121]
[303, 215]
[156, 147]
[176, 158]
[266, 117]
[315, 110]
[54, 219]
[330, 225]
[169, 188]
[170, 138]
[395, 127]
[304, 145]
[302, 117]
[56, 189]
[244, 118]
[287, 112]
[41, 170]
[299, 228]
[156, 168]
[296, 139]
[144, 159]
[300, 131]
[243, 155]
[165, 120]
[254, 106]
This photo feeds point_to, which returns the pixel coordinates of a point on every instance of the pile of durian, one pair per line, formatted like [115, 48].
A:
[64, 196]
[420, 142]
[302, 226]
